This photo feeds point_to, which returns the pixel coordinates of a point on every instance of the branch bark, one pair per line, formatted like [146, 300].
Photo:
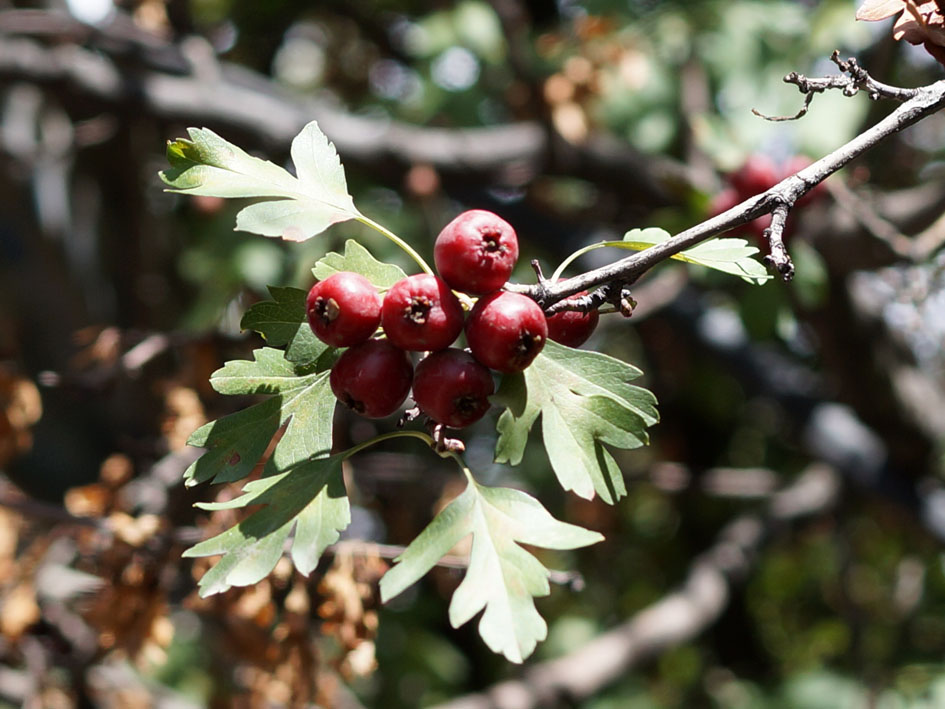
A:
[185, 84]
[927, 100]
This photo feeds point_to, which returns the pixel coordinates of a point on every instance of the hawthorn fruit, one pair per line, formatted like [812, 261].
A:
[571, 327]
[372, 378]
[421, 313]
[505, 331]
[344, 309]
[756, 175]
[452, 388]
[476, 252]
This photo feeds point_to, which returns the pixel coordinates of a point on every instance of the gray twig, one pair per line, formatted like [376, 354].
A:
[924, 102]
[778, 257]
[854, 79]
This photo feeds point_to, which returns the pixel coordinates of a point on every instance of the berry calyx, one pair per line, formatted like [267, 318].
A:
[372, 378]
[476, 252]
[421, 313]
[506, 331]
[344, 309]
[572, 327]
[452, 388]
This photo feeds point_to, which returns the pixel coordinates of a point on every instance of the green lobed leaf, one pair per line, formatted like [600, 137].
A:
[358, 259]
[309, 496]
[732, 256]
[300, 409]
[282, 321]
[299, 207]
[503, 578]
[585, 404]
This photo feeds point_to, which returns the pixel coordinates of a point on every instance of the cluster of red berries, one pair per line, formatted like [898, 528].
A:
[474, 254]
[758, 174]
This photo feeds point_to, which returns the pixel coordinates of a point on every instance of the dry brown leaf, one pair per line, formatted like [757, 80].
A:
[18, 610]
[920, 22]
[183, 414]
[9, 539]
[134, 531]
[116, 470]
[873, 10]
[20, 408]
[88, 500]
[360, 662]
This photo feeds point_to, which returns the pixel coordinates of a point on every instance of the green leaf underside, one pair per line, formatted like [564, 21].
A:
[295, 208]
[282, 322]
[301, 403]
[358, 259]
[503, 578]
[732, 256]
[309, 496]
[585, 402]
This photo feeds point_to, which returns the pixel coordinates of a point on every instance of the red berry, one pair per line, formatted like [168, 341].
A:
[372, 378]
[452, 388]
[344, 309]
[572, 328]
[421, 313]
[476, 252]
[758, 174]
[506, 331]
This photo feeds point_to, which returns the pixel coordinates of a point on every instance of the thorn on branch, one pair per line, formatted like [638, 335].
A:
[537, 292]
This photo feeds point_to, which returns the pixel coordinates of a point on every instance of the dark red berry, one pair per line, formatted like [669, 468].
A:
[421, 313]
[571, 327]
[452, 388]
[344, 309]
[758, 174]
[372, 378]
[506, 331]
[476, 252]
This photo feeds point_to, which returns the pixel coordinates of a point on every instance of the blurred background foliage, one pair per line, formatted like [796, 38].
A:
[118, 300]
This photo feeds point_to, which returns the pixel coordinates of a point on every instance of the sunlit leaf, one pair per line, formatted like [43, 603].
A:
[358, 259]
[503, 578]
[282, 322]
[299, 207]
[585, 404]
[300, 408]
[309, 496]
[733, 256]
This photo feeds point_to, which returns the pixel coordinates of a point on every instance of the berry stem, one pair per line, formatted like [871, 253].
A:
[367, 221]
[425, 437]
[580, 252]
